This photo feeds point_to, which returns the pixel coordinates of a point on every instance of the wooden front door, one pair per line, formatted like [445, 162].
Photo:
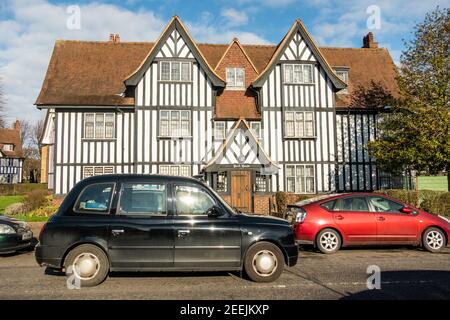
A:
[241, 195]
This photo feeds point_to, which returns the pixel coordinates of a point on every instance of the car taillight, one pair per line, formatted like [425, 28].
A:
[41, 233]
[301, 215]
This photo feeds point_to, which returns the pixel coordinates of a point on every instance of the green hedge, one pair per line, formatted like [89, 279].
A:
[20, 188]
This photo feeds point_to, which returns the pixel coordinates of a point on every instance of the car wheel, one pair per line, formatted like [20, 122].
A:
[433, 240]
[264, 262]
[328, 241]
[87, 264]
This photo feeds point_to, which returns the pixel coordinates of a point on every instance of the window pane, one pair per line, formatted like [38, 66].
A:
[381, 204]
[95, 198]
[256, 127]
[185, 128]
[192, 201]
[143, 199]
[231, 80]
[290, 171]
[307, 73]
[185, 71]
[98, 171]
[108, 170]
[109, 125]
[261, 182]
[175, 71]
[329, 205]
[299, 125]
[99, 126]
[89, 125]
[174, 170]
[88, 172]
[164, 128]
[185, 171]
[222, 182]
[165, 115]
[290, 184]
[353, 204]
[288, 73]
[298, 76]
[175, 123]
[165, 71]
[164, 170]
[239, 77]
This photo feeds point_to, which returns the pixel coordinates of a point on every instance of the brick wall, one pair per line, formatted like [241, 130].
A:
[261, 204]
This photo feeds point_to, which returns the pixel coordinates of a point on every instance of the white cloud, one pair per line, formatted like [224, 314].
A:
[234, 17]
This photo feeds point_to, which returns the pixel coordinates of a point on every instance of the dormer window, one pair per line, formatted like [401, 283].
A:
[342, 73]
[235, 78]
[8, 147]
[175, 71]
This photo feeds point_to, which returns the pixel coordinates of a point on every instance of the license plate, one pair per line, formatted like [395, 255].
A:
[27, 236]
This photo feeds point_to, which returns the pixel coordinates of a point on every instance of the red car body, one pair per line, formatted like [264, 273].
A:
[406, 226]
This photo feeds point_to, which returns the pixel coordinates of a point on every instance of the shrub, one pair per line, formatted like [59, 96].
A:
[36, 199]
[20, 188]
[284, 199]
[15, 209]
[410, 197]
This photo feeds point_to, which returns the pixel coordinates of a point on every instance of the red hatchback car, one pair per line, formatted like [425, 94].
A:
[366, 219]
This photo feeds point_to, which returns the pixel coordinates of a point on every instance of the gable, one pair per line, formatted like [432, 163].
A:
[292, 46]
[298, 49]
[175, 34]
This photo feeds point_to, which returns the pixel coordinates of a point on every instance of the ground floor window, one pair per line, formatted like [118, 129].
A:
[300, 178]
[90, 171]
[222, 182]
[262, 182]
[175, 170]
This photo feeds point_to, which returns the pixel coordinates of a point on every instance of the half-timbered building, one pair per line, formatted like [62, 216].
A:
[250, 119]
[11, 157]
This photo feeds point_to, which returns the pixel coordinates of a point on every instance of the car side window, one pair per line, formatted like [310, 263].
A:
[143, 199]
[381, 204]
[95, 198]
[191, 200]
[329, 205]
[351, 204]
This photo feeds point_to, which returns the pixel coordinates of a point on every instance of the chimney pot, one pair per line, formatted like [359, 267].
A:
[111, 37]
[368, 41]
[116, 38]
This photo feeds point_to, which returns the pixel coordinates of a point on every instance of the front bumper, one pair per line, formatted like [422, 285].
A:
[13, 242]
[48, 256]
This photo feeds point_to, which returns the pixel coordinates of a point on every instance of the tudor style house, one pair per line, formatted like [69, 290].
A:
[11, 158]
[251, 119]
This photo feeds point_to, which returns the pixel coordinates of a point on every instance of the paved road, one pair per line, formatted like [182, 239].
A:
[407, 273]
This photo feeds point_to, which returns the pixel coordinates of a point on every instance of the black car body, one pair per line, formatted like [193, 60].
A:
[14, 235]
[156, 223]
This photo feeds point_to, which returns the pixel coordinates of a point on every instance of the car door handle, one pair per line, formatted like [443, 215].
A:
[182, 233]
[381, 218]
[116, 232]
[339, 217]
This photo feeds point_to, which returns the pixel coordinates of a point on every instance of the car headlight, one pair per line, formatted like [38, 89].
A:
[5, 229]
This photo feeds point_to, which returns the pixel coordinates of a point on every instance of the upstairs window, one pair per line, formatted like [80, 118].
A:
[343, 75]
[298, 73]
[8, 147]
[175, 170]
[99, 125]
[299, 124]
[256, 127]
[300, 178]
[235, 78]
[219, 130]
[175, 123]
[175, 71]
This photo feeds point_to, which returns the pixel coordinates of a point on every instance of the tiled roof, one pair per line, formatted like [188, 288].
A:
[11, 136]
[84, 73]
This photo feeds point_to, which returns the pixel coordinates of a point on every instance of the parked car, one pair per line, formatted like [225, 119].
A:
[14, 235]
[334, 221]
[158, 223]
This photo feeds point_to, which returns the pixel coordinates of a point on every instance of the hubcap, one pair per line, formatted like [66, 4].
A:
[329, 241]
[435, 240]
[265, 263]
[86, 266]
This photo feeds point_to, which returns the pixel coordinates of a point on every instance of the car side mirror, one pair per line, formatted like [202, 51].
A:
[406, 210]
[214, 212]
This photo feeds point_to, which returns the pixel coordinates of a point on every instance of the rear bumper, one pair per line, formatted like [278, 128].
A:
[292, 255]
[47, 256]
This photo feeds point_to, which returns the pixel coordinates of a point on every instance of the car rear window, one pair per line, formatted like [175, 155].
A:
[95, 198]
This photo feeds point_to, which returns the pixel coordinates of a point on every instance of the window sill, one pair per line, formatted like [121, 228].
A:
[298, 84]
[301, 138]
[175, 82]
[98, 139]
[236, 88]
[174, 137]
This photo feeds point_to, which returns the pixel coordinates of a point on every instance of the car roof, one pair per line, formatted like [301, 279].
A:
[134, 176]
[329, 197]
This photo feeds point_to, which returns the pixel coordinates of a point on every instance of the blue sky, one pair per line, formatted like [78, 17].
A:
[28, 29]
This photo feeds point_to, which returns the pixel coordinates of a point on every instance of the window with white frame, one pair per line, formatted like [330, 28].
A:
[299, 124]
[99, 125]
[175, 71]
[175, 170]
[175, 123]
[235, 78]
[343, 75]
[8, 147]
[256, 127]
[300, 178]
[261, 182]
[298, 73]
[89, 171]
[222, 182]
[219, 130]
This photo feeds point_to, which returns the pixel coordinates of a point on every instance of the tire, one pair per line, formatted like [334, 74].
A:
[87, 265]
[328, 241]
[433, 240]
[264, 262]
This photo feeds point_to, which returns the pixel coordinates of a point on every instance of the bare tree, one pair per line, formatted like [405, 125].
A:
[2, 105]
[38, 130]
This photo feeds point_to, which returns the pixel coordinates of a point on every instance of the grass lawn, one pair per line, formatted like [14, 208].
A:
[7, 200]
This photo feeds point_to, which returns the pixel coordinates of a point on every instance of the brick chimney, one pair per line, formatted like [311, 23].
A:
[368, 41]
[114, 38]
[16, 125]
